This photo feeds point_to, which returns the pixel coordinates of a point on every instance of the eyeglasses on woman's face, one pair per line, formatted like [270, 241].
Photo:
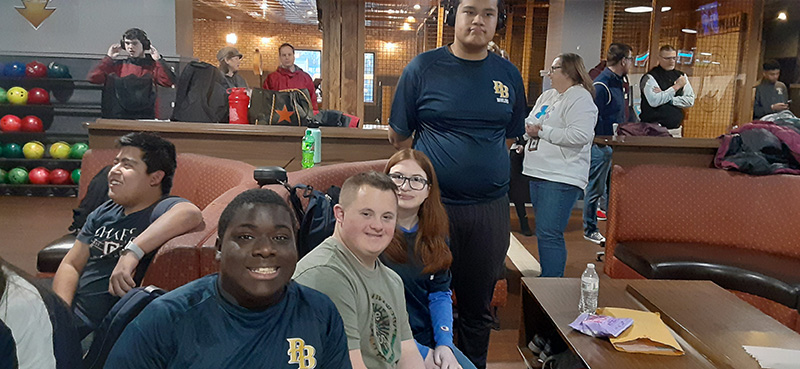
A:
[416, 183]
[553, 69]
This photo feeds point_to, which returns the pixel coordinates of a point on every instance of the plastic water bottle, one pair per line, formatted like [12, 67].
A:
[590, 286]
[308, 150]
[317, 134]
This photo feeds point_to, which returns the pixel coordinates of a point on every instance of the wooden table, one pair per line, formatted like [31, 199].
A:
[256, 145]
[638, 150]
[710, 323]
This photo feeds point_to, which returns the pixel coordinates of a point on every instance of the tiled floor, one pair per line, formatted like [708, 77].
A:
[29, 223]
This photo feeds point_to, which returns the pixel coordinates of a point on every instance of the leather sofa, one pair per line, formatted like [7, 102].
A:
[208, 182]
[740, 231]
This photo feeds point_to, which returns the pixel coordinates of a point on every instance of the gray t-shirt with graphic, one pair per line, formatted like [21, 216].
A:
[371, 302]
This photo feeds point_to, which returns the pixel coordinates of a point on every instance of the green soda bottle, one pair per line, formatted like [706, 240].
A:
[308, 150]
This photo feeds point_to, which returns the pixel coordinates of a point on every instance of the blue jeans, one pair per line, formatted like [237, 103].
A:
[598, 178]
[552, 204]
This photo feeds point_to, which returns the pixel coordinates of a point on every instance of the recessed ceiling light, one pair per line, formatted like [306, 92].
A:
[782, 16]
[689, 30]
[310, 12]
[231, 38]
[639, 9]
[417, 7]
[227, 17]
[665, 9]
[410, 19]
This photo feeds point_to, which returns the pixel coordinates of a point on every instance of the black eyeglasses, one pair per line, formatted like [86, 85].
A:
[553, 69]
[416, 183]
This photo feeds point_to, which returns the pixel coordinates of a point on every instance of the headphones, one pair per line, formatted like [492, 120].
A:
[452, 7]
[145, 42]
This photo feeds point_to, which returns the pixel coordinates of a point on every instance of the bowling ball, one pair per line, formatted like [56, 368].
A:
[3, 97]
[35, 69]
[33, 150]
[56, 70]
[3, 176]
[10, 123]
[12, 151]
[64, 91]
[18, 175]
[32, 123]
[59, 176]
[38, 96]
[77, 150]
[76, 176]
[17, 95]
[39, 176]
[59, 150]
[14, 70]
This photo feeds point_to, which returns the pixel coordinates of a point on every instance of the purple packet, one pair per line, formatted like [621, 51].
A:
[601, 325]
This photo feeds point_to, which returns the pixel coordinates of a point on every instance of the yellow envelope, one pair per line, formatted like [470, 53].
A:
[647, 335]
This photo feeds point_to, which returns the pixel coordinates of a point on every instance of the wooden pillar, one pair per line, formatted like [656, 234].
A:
[655, 30]
[609, 28]
[527, 48]
[440, 26]
[343, 37]
[509, 33]
[183, 28]
[750, 68]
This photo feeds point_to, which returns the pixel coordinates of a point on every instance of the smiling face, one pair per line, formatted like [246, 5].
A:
[287, 57]
[476, 22]
[128, 178]
[366, 224]
[258, 255]
[407, 198]
[133, 47]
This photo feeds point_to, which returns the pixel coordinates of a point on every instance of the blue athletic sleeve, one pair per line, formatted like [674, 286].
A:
[403, 118]
[423, 350]
[337, 353]
[164, 205]
[516, 127]
[145, 342]
[441, 306]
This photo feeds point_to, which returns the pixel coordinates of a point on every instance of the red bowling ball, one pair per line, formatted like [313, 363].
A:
[39, 176]
[35, 69]
[32, 123]
[10, 123]
[60, 176]
[38, 96]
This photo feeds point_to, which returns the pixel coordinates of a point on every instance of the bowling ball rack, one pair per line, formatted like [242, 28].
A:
[48, 190]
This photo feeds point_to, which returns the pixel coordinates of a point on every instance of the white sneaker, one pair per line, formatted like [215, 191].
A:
[595, 237]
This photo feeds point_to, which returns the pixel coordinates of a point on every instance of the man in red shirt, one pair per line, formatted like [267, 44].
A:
[289, 75]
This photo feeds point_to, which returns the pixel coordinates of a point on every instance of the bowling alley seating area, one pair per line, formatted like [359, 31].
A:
[737, 230]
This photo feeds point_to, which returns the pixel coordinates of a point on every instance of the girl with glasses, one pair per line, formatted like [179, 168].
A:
[420, 254]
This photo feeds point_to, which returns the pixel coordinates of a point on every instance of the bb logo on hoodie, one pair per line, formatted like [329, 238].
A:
[501, 91]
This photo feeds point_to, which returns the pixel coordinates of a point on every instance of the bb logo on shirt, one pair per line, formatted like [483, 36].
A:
[501, 91]
[301, 354]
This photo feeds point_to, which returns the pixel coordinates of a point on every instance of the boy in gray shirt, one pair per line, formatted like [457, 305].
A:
[369, 296]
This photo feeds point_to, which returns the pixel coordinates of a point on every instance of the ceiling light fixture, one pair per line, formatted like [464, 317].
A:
[231, 38]
[782, 16]
[410, 19]
[417, 7]
[646, 9]
[263, 5]
[689, 30]
[265, 40]
[227, 17]
[390, 46]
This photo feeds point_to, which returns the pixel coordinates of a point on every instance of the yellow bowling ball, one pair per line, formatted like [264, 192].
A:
[17, 95]
[33, 150]
[59, 150]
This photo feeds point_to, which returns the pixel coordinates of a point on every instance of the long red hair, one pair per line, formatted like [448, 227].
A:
[433, 229]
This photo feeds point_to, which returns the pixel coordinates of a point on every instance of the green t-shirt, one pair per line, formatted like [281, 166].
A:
[371, 302]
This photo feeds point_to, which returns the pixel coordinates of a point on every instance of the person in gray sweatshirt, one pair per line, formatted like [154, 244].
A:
[771, 95]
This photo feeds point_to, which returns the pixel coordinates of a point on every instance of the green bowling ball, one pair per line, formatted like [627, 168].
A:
[3, 176]
[18, 175]
[76, 176]
[12, 151]
[3, 96]
[77, 150]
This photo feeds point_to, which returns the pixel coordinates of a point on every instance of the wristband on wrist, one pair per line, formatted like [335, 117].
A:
[132, 247]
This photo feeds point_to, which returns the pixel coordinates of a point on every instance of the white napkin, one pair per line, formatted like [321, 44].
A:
[775, 358]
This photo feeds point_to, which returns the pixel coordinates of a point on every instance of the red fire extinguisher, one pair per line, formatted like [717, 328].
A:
[238, 102]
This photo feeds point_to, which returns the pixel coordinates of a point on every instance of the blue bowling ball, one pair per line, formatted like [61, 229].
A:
[14, 70]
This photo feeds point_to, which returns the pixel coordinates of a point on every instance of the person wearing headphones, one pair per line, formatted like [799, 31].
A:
[134, 56]
[458, 104]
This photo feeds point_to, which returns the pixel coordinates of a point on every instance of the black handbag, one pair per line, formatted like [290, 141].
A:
[290, 107]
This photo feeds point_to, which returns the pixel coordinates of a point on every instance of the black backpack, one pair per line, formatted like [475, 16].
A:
[316, 221]
[129, 97]
[200, 95]
[120, 315]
